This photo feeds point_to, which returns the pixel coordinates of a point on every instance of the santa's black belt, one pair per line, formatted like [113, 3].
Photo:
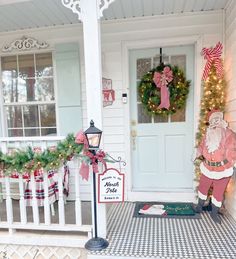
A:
[210, 163]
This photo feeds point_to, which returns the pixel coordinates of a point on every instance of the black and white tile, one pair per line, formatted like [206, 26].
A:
[168, 238]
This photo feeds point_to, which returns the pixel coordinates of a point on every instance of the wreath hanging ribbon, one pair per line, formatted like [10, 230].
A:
[213, 55]
[94, 158]
[161, 80]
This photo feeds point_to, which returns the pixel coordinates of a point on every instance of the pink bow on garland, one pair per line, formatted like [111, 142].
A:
[161, 80]
[98, 157]
[213, 55]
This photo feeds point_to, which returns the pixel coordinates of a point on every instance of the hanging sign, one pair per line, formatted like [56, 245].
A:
[111, 186]
[108, 93]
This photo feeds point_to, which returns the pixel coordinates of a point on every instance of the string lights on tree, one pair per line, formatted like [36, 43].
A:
[213, 90]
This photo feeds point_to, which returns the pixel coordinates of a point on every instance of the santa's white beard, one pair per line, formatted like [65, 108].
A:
[213, 138]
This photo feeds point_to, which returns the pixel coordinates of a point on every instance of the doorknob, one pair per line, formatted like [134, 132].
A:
[133, 135]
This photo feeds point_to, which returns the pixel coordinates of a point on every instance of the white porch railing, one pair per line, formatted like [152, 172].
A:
[15, 212]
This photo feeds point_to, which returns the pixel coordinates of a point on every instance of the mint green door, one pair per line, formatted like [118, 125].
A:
[161, 149]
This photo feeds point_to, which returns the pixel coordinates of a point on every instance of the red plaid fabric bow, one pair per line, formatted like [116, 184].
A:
[98, 157]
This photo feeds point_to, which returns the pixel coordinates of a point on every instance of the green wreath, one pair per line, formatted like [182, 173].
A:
[150, 94]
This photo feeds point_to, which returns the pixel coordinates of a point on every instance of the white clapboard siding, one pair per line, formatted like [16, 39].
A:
[230, 69]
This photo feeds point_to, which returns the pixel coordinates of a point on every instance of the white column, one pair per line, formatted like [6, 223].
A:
[89, 12]
[93, 77]
[92, 55]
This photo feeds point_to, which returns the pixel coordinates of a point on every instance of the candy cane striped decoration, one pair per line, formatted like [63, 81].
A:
[213, 55]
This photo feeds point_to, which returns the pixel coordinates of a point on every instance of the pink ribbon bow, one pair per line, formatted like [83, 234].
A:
[161, 80]
[98, 157]
[213, 55]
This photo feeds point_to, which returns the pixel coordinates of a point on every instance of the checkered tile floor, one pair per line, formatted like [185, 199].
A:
[168, 238]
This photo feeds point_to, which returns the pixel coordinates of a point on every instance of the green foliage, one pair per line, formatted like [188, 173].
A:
[150, 95]
[22, 161]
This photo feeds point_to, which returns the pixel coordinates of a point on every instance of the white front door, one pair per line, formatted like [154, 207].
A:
[161, 149]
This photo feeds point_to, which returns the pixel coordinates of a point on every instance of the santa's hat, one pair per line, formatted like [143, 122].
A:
[215, 114]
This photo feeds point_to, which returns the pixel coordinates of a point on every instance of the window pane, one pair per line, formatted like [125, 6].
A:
[26, 90]
[15, 133]
[32, 132]
[178, 116]
[159, 118]
[49, 131]
[44, 89]
[156, 60]
[31, 118]
[48, 115]
[14, 116]
[143, 66]
[26, 66]
[44, 64]
[143, 117]
[9, 88]
[9, 65]
[179, 61]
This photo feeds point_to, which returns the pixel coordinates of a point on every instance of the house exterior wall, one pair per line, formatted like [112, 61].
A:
[206, 27]
[230, 69]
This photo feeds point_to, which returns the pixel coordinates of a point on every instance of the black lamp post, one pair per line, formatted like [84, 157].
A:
[93, 136]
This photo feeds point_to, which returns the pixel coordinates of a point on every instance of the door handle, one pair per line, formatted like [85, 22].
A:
[133, 135]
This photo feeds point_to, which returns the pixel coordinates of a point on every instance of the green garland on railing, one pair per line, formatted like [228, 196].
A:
[27, 161]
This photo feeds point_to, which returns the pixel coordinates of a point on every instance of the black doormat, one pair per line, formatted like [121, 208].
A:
[165, 210]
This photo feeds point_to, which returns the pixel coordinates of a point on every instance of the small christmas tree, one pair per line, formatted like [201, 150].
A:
[213, 97]
[213, 91]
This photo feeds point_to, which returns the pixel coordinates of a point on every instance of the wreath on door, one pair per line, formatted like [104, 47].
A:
[164, 90]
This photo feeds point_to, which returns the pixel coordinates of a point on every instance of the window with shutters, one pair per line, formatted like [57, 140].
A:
[28, 95]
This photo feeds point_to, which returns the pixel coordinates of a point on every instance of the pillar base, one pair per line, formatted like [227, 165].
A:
[96, 244]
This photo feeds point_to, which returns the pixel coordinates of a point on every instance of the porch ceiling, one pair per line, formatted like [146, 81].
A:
[30, 14]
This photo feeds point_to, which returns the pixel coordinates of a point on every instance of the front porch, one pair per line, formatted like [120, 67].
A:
[158, 238]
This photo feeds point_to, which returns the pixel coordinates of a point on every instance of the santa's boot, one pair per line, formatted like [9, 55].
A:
[215, 214]
[199, 206]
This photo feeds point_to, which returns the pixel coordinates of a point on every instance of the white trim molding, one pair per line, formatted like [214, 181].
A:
[76, 7]
[104, 4]
[25, 43]
[196, 40]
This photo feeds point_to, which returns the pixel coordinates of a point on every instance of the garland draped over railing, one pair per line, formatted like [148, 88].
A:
[31, 159]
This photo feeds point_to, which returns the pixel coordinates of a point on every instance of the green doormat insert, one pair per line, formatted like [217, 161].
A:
[165, 210]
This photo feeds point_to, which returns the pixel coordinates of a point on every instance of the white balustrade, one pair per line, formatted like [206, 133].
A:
[14, 214]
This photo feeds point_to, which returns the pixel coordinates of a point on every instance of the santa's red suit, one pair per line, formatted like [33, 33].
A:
[218, 149]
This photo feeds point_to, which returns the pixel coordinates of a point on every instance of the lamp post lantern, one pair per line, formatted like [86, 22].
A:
[93, 136]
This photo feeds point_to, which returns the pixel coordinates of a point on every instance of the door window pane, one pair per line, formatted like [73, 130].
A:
[143, 66]
[179, 61]
[179, 116]
[156, 60]
[160, 118]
